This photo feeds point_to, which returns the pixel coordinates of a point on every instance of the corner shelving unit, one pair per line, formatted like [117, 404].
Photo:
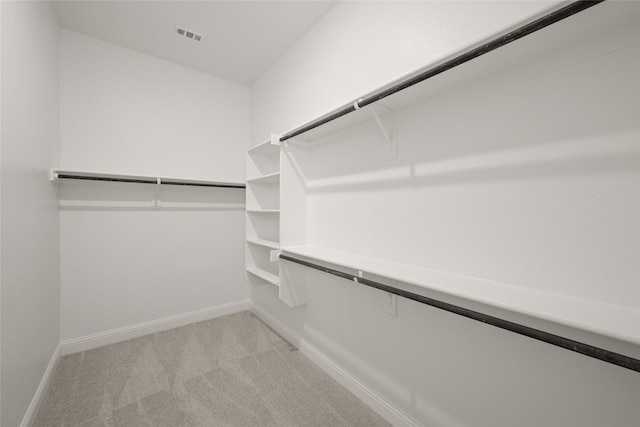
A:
[263, 213]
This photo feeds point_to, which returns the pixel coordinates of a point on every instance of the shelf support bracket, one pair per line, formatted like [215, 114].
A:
[53, 177]
[384, 119]
[157, 201]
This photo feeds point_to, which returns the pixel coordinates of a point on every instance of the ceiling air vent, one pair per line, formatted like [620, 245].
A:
[181, 31]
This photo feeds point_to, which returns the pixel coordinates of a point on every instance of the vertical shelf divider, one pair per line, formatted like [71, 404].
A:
[294, 157]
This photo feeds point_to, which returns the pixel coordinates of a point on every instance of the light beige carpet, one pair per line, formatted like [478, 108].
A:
[229, 371]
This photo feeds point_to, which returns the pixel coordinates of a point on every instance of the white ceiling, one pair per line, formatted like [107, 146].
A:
[241, 38]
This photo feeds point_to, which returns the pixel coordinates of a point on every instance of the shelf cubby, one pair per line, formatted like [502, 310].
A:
[263, 213]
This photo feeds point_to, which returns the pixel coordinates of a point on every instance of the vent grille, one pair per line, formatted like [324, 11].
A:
[190, 34]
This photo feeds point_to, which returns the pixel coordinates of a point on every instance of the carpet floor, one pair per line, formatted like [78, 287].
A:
[229, 371]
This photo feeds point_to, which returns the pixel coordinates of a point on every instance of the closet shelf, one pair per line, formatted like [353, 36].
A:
[265, 275]
[63, 175]
[579, 20]
[606, 319]
[264, 211]
[262, 148]
[272, 178]
[266, 243]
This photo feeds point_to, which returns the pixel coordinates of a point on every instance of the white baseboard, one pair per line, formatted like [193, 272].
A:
[376, 402]
[134, 331]
[32, 411]
[275, 324]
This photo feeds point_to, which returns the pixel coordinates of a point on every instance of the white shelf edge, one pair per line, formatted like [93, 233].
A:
[264, 275]
[147, 204]
[265, 179]
[605, 319]
[266, 243]
[268, 211]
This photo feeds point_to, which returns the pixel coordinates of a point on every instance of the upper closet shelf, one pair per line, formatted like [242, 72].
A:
[262, 148]
[579, 20]
[61, 175]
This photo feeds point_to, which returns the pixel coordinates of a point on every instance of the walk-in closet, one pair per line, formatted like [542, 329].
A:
[320, 213]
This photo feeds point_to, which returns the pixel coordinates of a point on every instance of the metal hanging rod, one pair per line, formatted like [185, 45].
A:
[566, 343]
[545, 21]
[59, 175]
[202, 184]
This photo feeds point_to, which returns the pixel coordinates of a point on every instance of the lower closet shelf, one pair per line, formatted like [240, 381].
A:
[598, 317]
[265, 275]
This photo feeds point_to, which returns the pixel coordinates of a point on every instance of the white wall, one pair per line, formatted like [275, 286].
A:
[30, 278]
[124, 112]
[360, 46]
[546, 198]
[129, 113]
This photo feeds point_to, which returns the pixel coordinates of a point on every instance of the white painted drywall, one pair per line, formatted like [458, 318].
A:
[551, 203]
[30, 278]
[125, 112]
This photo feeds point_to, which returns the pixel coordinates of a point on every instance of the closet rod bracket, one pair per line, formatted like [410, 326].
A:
[275, 139]
[53, 177]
